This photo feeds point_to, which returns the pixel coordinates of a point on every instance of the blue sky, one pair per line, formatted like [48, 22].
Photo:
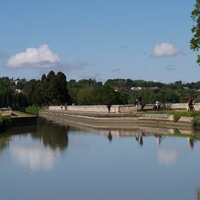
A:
[98, 39]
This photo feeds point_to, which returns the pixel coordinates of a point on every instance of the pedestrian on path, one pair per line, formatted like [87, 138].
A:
[109, 106]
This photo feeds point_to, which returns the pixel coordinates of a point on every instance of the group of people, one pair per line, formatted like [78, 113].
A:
[65, 106]
[158, 105]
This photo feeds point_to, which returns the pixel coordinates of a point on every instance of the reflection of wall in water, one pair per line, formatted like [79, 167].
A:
[146, 131]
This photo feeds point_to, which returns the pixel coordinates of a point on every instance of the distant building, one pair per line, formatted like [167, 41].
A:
[155, 88]
[136, 88]
[18, 91]
[185, 88]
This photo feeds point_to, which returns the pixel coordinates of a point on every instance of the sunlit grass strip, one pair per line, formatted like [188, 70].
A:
[178, 114]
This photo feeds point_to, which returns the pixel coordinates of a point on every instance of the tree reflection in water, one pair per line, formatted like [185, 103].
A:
[53, 135]
[4, 142]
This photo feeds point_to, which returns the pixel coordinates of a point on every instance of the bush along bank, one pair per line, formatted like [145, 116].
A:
[196, 123]
[33, 110]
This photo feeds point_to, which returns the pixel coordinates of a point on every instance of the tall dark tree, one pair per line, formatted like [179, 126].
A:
[31, 92]
[62, 88]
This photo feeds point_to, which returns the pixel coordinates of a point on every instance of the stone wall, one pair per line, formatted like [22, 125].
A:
[120, 108]
[5, 111]
[90, 108]
[182, 106]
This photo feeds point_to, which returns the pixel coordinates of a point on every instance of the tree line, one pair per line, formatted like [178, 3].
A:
[54, 89]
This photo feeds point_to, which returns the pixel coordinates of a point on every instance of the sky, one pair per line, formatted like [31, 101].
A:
[98, 39]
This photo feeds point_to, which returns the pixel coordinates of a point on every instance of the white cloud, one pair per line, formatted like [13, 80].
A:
[42, 57]
[165, 50]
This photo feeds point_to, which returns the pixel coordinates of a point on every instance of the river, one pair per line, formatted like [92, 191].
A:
[52, 161]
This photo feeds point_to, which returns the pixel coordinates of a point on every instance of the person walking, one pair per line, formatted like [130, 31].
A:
[190, 104]
[109, 106]
[65, 106]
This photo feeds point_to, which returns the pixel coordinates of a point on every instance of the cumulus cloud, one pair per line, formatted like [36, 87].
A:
[42, 57]
[165, 50]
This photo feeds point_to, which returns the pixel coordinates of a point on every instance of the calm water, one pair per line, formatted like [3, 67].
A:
[58, 162]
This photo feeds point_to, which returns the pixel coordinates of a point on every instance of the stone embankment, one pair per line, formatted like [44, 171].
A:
[98, 117]
[19, 118]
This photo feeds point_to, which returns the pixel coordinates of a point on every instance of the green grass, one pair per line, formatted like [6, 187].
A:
[177, 114]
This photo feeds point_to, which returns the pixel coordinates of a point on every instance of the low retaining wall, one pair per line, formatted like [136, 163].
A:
[5, 111]
[182, 106]
[89, 108]
[121, 108]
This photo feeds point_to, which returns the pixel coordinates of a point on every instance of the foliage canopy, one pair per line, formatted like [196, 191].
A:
[195, 40]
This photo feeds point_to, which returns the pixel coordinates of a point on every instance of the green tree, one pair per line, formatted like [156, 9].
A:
[31, 91]
[195, 40]
[73, 92]
[84, 96]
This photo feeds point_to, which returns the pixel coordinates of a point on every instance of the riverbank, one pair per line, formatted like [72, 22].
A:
[16, 118]
[20, 118]
[105, 120]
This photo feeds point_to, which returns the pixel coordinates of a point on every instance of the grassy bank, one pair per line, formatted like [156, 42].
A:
[178, 114]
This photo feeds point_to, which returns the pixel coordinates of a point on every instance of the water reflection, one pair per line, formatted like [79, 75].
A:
[191, 142]
[70, 162]
[169, 156]
[158, 138]
[54, 135]
[39, 147]
[110, 136]
[139, 137]
[35, 157]
[4, 142]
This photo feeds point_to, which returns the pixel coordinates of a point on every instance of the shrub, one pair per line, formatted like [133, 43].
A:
[196, 122]
[32, 110]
